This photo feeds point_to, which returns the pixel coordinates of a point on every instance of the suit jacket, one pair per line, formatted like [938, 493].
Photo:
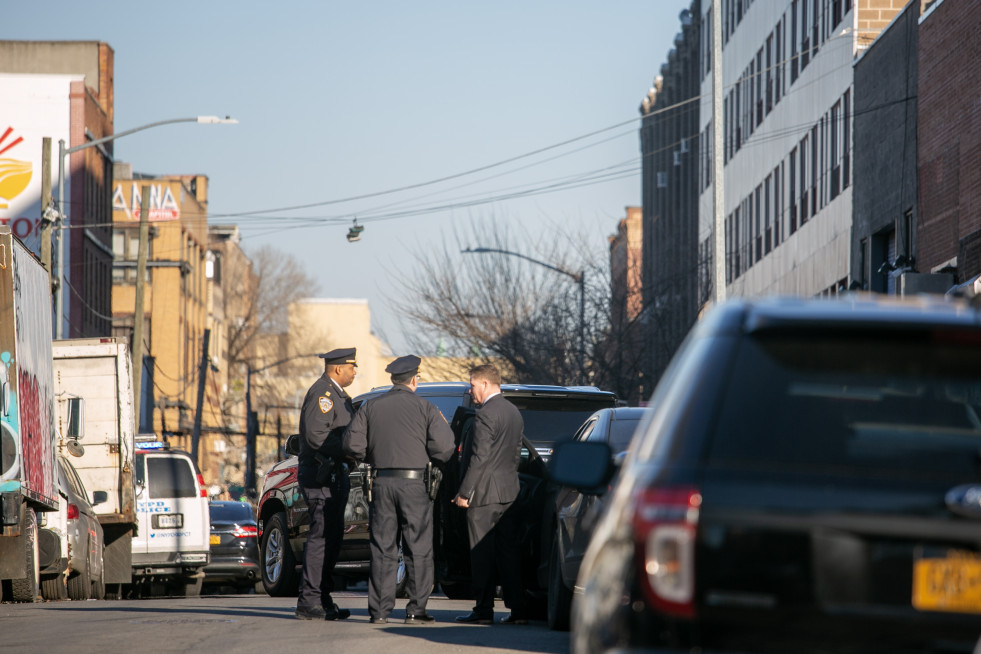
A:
[326, 411]
[490, 458]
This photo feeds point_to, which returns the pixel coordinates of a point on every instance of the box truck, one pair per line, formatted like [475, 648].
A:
[27, 426]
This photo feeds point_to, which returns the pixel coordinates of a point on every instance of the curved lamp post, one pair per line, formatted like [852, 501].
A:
[579, 278]
[64, 152]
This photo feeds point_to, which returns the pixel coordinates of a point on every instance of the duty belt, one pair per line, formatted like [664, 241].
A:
[402, 473]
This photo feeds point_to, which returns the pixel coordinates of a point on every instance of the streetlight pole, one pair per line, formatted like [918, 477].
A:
[579, 278]
[63, 152]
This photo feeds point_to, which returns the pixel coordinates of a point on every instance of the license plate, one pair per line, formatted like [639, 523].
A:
[947, 581]
[168, 520]
[215, 539]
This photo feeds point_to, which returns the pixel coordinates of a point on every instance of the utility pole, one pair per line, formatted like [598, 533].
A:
[202, 373]
[138, 309]
[45, 204]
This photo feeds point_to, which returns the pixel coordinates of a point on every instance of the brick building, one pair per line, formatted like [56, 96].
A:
[87, 248]
[948, 231]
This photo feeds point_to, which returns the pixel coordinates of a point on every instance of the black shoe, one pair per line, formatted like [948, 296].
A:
[310, 613]
[510, 619]
[378, 620]
[336, 613]
[419, 618]
[475, 618]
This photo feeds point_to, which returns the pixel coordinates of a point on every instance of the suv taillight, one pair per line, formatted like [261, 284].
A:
[204, 491]
[664, 524]
[73, 512]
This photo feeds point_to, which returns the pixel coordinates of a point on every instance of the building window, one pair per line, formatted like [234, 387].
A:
[846, 128]
[814, 170]
[793, 193]
[757, 219]
[767, 225]
[794, 60]
[769, 73]
[126, 251]
[802, 180]
[835, 150]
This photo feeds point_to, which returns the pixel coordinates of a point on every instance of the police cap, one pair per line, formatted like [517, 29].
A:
[404, 365]
[340, 356]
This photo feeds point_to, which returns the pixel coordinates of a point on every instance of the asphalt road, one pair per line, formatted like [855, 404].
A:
[255, 623]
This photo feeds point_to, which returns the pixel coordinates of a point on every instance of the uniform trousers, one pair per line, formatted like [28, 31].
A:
[494, 548]
[325, 506]
[400, 507]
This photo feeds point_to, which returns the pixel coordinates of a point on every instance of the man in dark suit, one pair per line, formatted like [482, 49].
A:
[489, 468]
[323, 480]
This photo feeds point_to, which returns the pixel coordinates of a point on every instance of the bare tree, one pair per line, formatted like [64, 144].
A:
[523, 314]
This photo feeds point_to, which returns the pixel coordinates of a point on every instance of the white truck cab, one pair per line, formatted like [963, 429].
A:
[172, 545]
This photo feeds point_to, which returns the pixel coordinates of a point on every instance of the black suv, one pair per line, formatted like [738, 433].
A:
[551, 414]
[807, 479]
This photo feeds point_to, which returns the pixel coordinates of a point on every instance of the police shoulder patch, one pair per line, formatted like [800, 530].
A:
[325, 404]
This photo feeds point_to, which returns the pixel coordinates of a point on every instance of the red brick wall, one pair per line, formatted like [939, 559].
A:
[949, 138]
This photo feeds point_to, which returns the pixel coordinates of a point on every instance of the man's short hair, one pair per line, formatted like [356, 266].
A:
[403, 377]
[487, 372]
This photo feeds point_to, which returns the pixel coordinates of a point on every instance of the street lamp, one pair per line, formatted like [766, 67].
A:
[578, 278]
[63, 152]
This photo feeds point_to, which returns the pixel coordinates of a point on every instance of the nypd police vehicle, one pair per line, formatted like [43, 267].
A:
[172, 546]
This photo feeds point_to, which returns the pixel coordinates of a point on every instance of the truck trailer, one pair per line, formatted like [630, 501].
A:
[27, 425]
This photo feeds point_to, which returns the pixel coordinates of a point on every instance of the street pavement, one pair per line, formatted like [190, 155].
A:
[255, 623]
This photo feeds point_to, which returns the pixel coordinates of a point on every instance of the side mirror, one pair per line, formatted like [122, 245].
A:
[99, 497]
[75, 426]
[583, 465]
[292, 446]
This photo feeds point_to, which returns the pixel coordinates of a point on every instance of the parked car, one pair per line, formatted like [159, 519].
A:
[576, 512]
[807, 480]
[234, 545]
[172, 546]
[71, 542]
[551, 414]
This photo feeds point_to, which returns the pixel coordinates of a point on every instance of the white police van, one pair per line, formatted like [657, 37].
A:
[172, 546]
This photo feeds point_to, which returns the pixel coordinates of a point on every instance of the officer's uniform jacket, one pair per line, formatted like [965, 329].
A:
[326, 411]
[491, 456]
[399, 429]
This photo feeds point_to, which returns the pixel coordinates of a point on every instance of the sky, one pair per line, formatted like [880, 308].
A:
[518, 114]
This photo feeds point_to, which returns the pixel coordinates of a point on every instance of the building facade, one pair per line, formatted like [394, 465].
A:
[175, 296]
[669, 148]
[948, 229]
[86, 251]
[885, 190]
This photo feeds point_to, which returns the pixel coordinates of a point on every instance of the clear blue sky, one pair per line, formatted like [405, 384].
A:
[346, 99]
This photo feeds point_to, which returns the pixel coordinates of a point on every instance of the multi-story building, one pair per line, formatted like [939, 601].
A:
[175, 296]
[885, 190]
[625, 341]
[948, 229]
[63, 90]
[669, 149]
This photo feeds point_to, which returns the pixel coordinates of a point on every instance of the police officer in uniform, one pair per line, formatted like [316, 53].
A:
[399, 433]
[323, 480]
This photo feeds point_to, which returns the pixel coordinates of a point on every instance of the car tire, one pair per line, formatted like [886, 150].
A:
[400, 576]
[79, 585]
[279, 576]
[192, 585]
[26, 589]
[54, 588]
[559, 595]
[457, 590]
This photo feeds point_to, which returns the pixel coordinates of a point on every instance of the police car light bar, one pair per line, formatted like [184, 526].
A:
[151, 445]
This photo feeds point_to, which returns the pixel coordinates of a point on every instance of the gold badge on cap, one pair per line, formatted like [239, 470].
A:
[325, 404]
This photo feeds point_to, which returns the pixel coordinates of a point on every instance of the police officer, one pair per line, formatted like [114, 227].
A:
[323, 480]
[399, 433]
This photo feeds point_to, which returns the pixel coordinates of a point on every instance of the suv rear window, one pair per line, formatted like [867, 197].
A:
[893, 404]
[170, 476]
[231, 512]
[552, 419]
